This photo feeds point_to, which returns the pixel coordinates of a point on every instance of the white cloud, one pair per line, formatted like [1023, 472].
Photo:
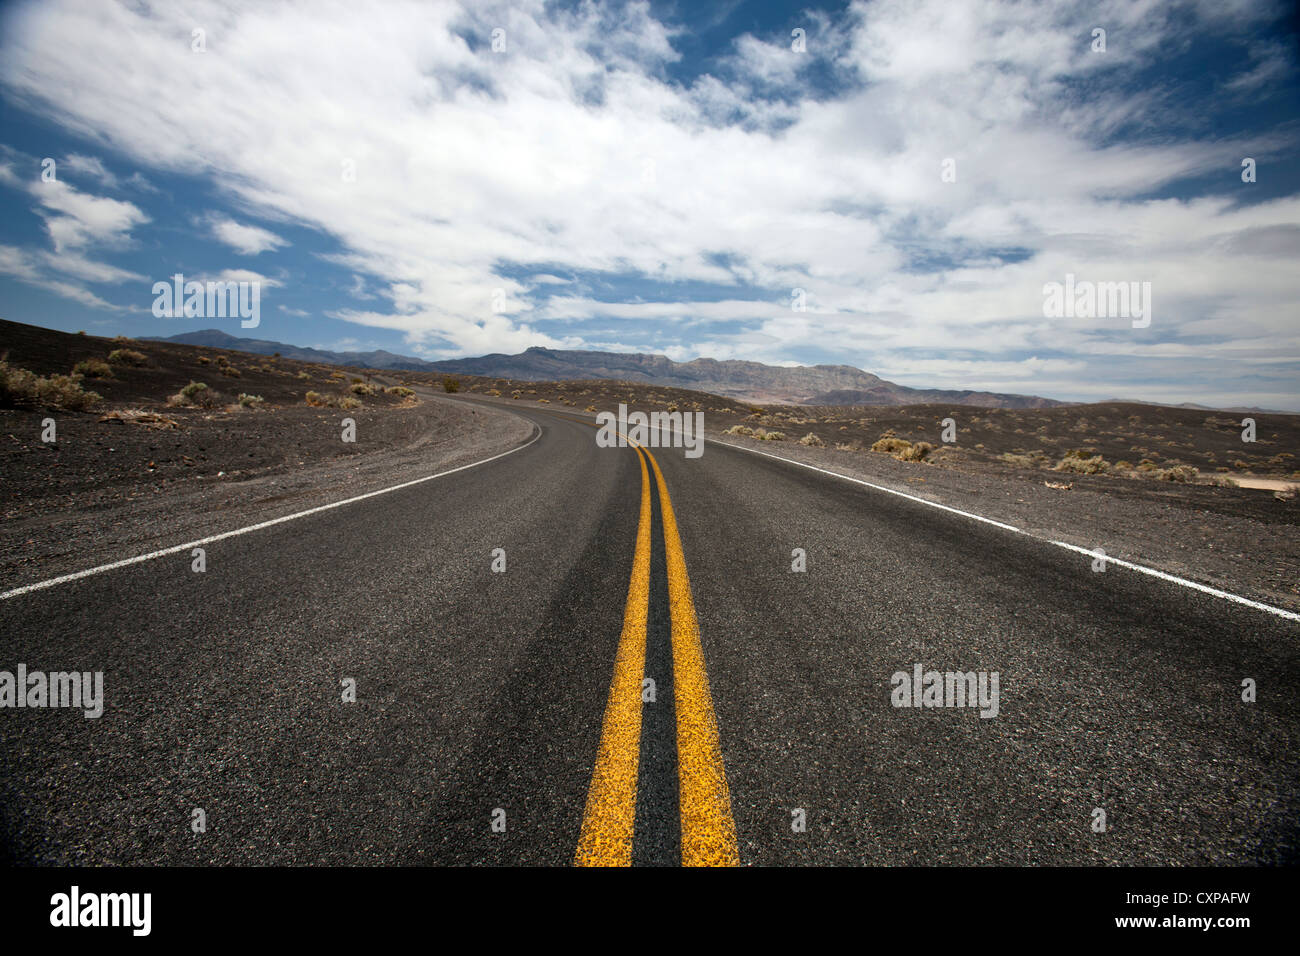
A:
[137, 181]
[75, 219]
[25, 267]
[1272, 63]
[91, 166]
[240, 275]
[358, 289]
[571, 151]
[250, 240]
[88, 269]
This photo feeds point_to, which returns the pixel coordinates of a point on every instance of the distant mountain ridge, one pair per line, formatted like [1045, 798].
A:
[733, 378]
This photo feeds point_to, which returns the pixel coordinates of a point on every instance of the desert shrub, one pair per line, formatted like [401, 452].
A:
[739, 430]
[543, 401]
[347, 401]
[127, 357]
[1020, 461]
[356, 380]
[138, 416]
[401, 391]
[891, 445]
[770, 436]
[812, 441]
[317, 400]
[222, 361]
[250, 401]
[195, 393]
[204, 360]
[230, 371]
[304, 376]
[65, 391]
[93, 368]
[1181, 473]
[57, 391]
[902, 449]
[1096, 465]
[358, 387]
[494, 391]
[451, 385]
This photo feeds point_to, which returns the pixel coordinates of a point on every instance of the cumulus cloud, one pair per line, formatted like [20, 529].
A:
[74, 220]
[444, 167]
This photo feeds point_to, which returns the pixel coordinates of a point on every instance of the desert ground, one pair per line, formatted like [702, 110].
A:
[143, 462]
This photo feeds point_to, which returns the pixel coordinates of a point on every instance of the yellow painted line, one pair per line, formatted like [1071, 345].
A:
[610, 817]
[708, 828]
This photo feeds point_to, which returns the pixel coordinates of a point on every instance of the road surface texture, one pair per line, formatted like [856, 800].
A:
[648, 681]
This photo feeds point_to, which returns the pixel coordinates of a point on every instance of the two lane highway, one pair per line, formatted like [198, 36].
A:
[505, 717]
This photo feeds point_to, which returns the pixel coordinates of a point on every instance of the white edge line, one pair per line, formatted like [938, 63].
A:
[63, 579]
[859, 481]
[1203, 588]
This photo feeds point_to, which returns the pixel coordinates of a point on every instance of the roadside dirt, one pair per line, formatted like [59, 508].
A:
[114, 484]
[1240, 540]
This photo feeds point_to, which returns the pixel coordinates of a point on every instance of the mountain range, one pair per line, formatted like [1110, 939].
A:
[745, 381]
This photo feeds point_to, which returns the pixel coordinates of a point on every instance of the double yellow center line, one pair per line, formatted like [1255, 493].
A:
[708, 830]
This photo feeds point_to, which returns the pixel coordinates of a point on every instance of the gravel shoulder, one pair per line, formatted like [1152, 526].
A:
[1236, 539]
[108, 490]
[1187, 532]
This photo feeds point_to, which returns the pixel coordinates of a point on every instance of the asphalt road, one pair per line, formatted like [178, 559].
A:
[504, 718]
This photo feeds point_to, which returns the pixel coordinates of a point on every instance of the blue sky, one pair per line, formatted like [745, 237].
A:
[664, 176]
